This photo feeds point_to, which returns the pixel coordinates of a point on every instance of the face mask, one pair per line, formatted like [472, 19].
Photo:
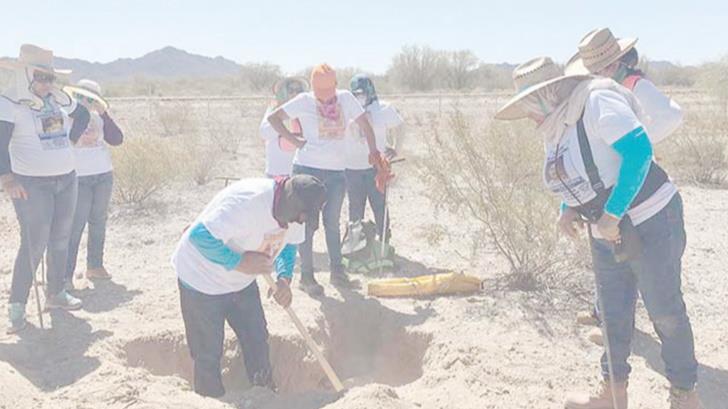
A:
[362, 98]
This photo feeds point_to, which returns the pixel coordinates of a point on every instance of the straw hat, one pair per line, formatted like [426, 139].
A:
[89, 89]
[34, 57]
[528, 78]
[598, 50]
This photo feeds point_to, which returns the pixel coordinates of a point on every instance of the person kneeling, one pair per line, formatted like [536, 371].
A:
[250, 228]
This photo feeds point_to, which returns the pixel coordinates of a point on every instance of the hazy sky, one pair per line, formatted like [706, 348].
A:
[366, 34]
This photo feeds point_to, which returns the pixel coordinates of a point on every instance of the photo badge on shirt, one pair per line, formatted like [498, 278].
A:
[51, 131]
[331, 121]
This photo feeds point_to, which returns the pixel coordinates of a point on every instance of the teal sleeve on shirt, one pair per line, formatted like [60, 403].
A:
[563, 207]
[285, 261]
[214, 249]
[636, 152]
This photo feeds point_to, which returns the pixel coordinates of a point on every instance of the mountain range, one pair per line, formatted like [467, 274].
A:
[174, 63]
[167, 63]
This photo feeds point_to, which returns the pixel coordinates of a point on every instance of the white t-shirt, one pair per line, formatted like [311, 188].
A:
[663, 115]
[607, 118]
[91, 151]
[382, 117]
[325, 146]
[278, 161]
[241, 216]
[39, 145]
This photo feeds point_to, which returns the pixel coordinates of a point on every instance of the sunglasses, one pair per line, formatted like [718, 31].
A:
[44, 77]
[83, 98]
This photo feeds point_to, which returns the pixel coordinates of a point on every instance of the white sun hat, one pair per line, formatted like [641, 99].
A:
[89, 89]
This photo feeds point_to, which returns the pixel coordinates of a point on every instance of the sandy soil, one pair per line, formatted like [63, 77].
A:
[496, 349]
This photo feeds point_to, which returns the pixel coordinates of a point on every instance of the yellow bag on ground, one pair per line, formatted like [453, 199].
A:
[423, 286]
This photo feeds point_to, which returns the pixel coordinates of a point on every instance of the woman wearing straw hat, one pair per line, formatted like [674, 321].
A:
[95, 180]
[37, 173]
[599, 161]
[324, 115]
[278, 150]
[601, 54]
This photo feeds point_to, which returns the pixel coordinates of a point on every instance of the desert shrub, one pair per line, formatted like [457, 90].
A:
[196, 158]
[260, 77]
[175, 118]
[491, 177]
[224, 136]
[142, 167]
[696, 153]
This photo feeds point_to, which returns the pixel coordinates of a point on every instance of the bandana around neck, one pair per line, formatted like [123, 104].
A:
[329, 109]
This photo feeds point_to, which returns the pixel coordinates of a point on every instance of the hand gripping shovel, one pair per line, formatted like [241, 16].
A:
[335, 381]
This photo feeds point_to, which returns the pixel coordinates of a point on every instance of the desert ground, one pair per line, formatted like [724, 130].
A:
[500, 348]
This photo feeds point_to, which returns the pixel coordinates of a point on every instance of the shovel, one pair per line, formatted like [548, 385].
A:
[335, 381]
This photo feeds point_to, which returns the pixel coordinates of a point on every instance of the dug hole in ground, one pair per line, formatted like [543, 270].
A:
[495, 349]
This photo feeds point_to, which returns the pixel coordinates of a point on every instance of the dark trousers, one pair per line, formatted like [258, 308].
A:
[656, 276]
[361, 186]
[335, 182]
[204, 317]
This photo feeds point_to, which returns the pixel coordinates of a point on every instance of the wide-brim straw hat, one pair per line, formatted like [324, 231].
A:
[528, 78]
[598, 50]
[89, 89]
[34, 57]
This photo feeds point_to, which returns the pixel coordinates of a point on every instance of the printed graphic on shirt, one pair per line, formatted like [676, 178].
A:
[273, 243]
[562, 178]
[51, 132]
[331, 121]
[91, 137]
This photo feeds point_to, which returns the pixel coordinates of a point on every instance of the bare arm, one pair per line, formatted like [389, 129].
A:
[276, 121]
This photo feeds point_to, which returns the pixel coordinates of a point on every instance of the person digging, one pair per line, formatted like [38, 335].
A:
[250, 228]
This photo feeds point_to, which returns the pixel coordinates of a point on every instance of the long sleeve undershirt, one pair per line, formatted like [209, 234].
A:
[6, 132]
[80, 117]
[635, 150]
[112, 134]
[214, 249]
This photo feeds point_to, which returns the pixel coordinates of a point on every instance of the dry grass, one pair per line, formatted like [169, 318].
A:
[491, 175]
[142, 167]
[696, 153]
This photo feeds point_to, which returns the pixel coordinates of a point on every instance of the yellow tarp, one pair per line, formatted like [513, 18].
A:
[423, 286]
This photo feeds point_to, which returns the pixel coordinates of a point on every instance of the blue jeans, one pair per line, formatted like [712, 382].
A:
[361, 186]
[335, 183]
[94, 195]
[204, 318]
[656, 275]
[45, 224]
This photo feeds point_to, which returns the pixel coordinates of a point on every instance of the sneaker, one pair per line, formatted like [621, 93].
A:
[342, 280]
[63, 301]
[596, 337]
[68, 286]
[603, 398]
[684, 399]
[16, 318]
[588, 318]
[98, 274]
[310, 286]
